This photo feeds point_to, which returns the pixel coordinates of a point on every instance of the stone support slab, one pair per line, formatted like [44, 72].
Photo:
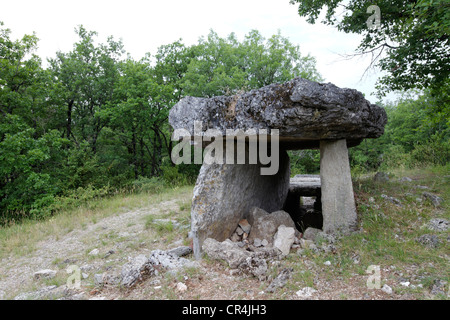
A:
[338, 202]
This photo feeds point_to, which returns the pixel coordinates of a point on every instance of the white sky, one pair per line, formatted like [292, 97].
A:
[143, 26]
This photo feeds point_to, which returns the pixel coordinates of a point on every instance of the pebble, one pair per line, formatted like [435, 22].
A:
[405, 284]
[306, 292]
[94, 252]
[45, 274]
[386, 289]
[181, 287]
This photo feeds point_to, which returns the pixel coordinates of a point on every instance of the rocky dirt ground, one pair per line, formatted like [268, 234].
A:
[101, 248]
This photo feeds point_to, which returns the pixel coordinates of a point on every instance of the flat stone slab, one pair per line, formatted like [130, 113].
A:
[305, 185]
[303, 111]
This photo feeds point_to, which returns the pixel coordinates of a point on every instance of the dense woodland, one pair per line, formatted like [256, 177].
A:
[94, 121]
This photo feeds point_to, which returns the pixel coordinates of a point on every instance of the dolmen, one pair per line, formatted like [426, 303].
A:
[242, 143]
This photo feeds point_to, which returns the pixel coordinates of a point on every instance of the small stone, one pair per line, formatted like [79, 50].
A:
[281, 280]
[94, 252]
[180, 251]
[264, 243]
[438, 224]
[235, 237]
[307, 244]
[405, 179]
[239, 231]
[392, 199]
[438, 287]
[78, 296]
[386, 289]
[430, 241]
[311, 233]
[98, 279]
[405, 283]
[435, 200]
[327, 263]
[257, 242]
[244, 236]
[305, 292]
[284, 238]
[110, 252]
[234, 272]
[45, 274]
[241, 244]
[245, 225]
[181, 287]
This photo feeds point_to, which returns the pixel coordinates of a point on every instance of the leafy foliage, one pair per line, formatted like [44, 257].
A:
[412, 45]
[94, 121]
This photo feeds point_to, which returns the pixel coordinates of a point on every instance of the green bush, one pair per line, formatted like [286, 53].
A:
[78, 197]
[149, 185]
[304, 161]
[433, 153]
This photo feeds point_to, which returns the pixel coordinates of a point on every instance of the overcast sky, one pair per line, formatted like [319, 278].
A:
[145, 25]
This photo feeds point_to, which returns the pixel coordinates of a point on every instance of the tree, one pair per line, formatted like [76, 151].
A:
[411, 44]
[225, 65]
[85, 78]
[30, 149]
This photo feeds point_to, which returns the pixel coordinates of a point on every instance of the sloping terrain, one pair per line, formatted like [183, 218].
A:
[403, 234]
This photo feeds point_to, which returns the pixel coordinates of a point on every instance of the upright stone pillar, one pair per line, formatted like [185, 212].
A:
[338, 203]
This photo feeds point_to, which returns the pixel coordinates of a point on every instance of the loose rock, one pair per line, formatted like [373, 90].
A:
[44, 274]
[435, 200]
[181, 287]
[265, 226]
[387, 289]
[306, 292]
[94, 252]
[135, 270]
[245, 226]
[281, 280]
[392, 199]
[428, 240]
[284, 239]
[438, 224]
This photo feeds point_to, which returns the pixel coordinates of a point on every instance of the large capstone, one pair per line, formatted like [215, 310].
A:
[303, 111]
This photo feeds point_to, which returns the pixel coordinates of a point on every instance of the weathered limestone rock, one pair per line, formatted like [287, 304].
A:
[435, 200]
[135, 270]
[224, 194]
[250, 262]
[311, 233]
[303, 111]
[284, 239]
[265, 226]
[45, 274]
[338, 203]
